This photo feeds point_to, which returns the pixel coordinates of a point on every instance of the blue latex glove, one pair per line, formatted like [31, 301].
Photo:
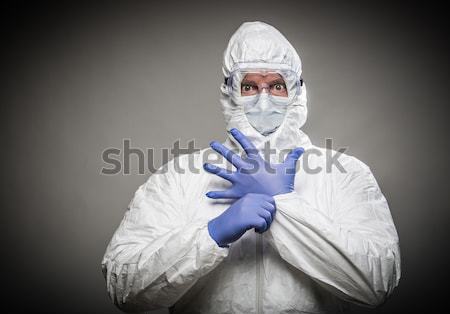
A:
[251, 211]
[254, 174]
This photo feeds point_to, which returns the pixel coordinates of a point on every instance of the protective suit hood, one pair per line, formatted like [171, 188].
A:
[260, 43]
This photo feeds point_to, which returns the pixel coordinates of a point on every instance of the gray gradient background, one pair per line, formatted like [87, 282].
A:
[79, 78]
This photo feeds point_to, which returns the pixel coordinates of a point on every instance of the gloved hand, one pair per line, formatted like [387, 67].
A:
[251, 211]
[254, 174]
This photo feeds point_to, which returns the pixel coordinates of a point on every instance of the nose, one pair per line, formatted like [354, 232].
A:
[263, 102]
[263, 87]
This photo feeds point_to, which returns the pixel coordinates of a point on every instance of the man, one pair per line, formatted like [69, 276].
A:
[324, 237]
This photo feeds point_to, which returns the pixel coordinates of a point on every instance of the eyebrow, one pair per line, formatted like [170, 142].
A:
[245, 81]
[277, 81]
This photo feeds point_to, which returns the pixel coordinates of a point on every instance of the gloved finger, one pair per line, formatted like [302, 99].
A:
[269, 207]
[218, 171]
[246, 144]
[266, 215]
[291, 160]
[260, 225]
[269, 199]
[227, 153]
[293, 156]
[222, 194]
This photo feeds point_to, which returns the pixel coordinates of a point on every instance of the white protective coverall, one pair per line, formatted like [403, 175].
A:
[332, 241]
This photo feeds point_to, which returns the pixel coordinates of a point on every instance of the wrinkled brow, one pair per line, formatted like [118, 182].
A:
[272, 82]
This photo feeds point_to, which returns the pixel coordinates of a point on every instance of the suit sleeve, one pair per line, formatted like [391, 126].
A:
[353, 252]
[157, 253]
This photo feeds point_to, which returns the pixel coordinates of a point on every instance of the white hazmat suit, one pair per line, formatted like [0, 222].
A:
[332, 241]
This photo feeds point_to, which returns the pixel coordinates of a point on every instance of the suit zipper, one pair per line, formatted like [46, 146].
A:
[259, 261]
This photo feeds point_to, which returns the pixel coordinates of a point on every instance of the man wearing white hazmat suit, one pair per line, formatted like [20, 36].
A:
[323, 238]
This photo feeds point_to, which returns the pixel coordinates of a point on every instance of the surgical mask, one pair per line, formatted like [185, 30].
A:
[267, 113]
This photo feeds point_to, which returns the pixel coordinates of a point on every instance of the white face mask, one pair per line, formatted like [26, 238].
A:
[267, 113]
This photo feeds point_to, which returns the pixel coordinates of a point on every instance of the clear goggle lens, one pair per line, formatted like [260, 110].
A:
[243, 83]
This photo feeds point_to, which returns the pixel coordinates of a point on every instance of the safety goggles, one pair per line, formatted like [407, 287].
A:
[248, 84]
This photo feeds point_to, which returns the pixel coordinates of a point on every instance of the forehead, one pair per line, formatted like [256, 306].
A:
[262, 77]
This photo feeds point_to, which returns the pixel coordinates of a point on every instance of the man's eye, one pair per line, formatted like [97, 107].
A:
[247, 87]
[279, 86]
